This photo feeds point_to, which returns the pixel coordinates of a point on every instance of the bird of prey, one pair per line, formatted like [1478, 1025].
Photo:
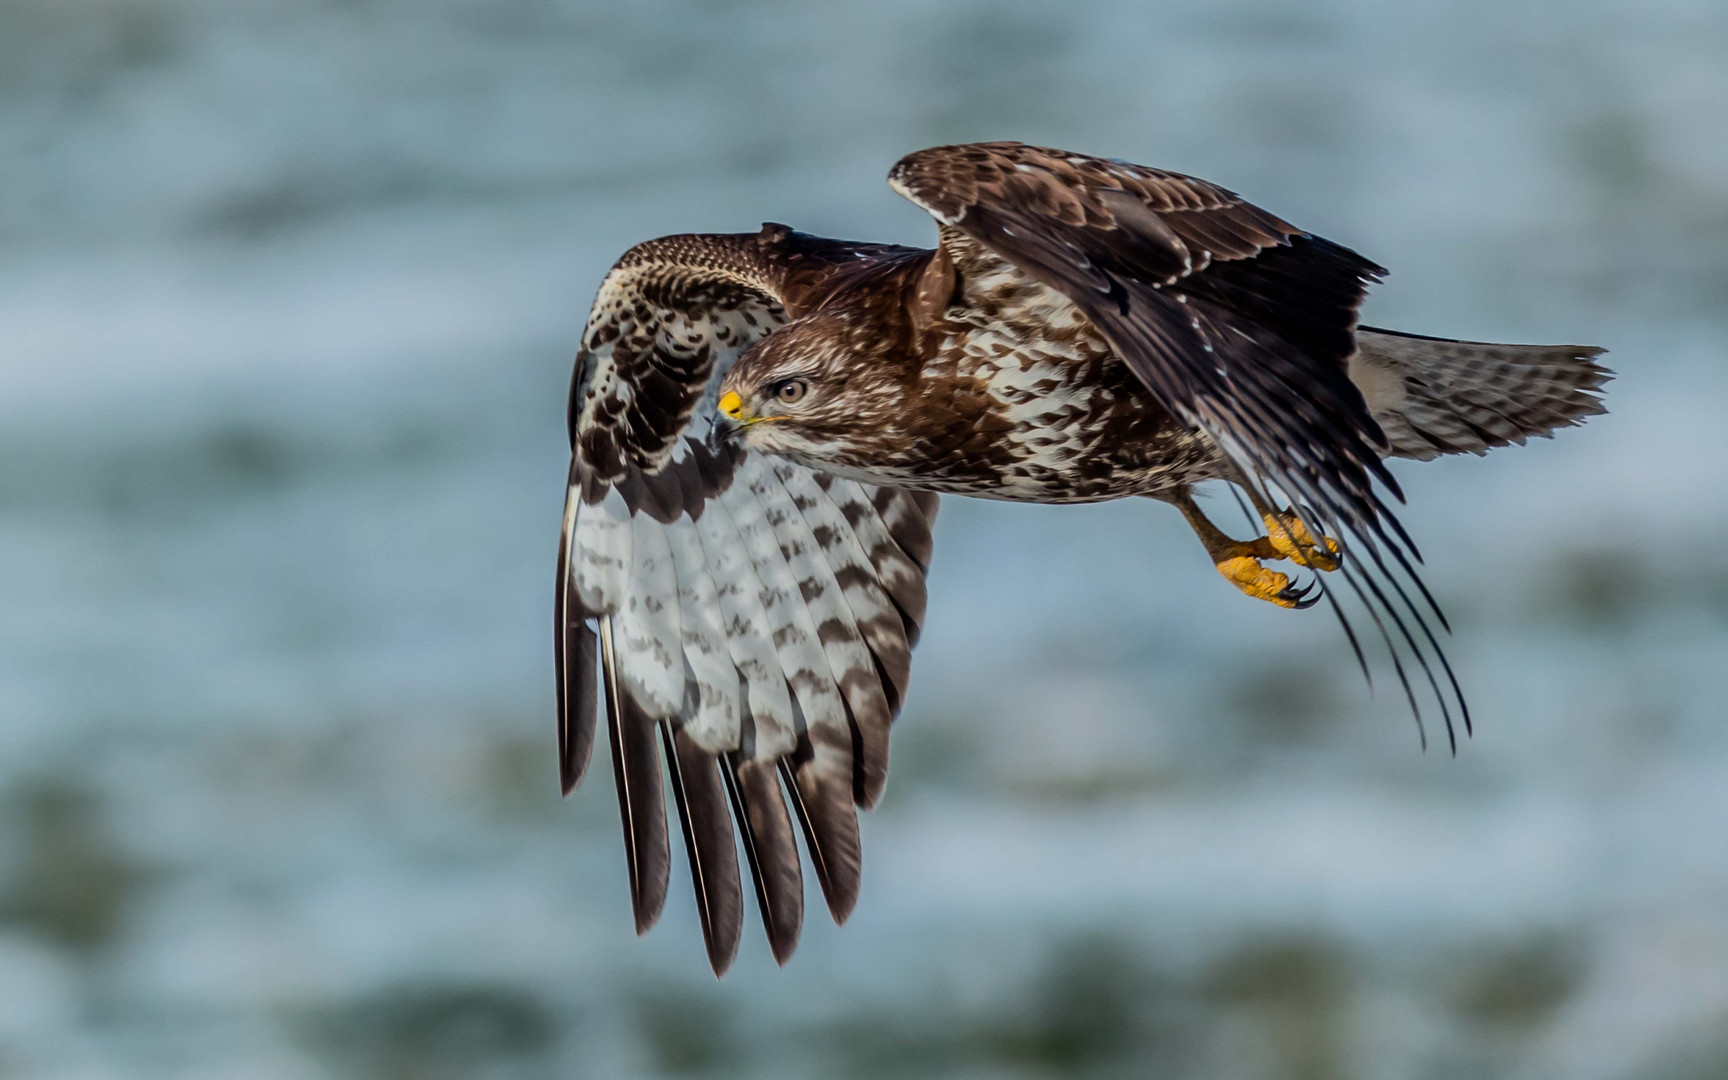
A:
[761, 424]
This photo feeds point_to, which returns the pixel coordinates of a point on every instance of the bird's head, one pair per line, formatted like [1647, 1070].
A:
[801, 393]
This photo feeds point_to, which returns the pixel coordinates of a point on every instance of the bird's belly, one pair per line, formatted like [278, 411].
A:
[1111, 454]
[1053, 417]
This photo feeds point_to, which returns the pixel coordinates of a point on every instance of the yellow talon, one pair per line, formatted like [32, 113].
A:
[1246, 573]
[1291, 539]
[1239, 560]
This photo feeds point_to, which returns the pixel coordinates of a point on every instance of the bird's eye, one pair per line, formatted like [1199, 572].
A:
[792, 391]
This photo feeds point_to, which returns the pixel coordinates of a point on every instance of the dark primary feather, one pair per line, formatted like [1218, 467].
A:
[771, 849]
[575, 668]
[577, 680]
[705, 816]
[641, 806]
[822, 799]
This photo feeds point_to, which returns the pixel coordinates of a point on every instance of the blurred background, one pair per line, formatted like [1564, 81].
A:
[289, 292]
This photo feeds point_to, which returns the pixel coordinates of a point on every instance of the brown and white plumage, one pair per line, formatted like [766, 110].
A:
[748, 593]
[749, 619]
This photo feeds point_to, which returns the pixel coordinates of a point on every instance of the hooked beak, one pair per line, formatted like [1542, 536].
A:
[732, 407]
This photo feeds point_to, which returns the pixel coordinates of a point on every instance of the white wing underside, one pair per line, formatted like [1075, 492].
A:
[741, 609]
[756, 616]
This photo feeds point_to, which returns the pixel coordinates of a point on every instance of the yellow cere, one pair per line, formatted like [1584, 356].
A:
[731, 404]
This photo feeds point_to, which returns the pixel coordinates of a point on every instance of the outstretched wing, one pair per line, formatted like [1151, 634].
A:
[1237, 322]
[752, 618]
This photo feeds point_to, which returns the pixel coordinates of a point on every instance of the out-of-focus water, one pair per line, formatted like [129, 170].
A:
[288, 294]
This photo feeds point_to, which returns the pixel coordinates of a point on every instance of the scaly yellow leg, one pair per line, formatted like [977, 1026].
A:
[1239, 561]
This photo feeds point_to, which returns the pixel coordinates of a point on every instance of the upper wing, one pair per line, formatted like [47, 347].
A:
[1434, 396]
[754, 617]
[1237, 322]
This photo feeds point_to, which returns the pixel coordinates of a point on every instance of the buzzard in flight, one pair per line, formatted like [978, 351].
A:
[761, 423]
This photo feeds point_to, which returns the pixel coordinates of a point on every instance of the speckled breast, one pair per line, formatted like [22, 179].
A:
[1065, 418]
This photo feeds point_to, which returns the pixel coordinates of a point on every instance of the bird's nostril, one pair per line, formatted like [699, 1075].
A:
[731, 404]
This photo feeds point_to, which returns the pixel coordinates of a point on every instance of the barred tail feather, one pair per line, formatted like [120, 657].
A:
[1435, 396]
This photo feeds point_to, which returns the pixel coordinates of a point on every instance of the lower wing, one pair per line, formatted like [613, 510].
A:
[749, 618]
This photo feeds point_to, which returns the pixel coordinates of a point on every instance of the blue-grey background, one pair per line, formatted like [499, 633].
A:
[288, 296]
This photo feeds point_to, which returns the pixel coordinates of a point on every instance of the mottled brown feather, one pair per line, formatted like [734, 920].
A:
[670, 309]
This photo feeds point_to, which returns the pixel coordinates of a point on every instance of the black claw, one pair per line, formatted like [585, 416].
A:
[1303, 597]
